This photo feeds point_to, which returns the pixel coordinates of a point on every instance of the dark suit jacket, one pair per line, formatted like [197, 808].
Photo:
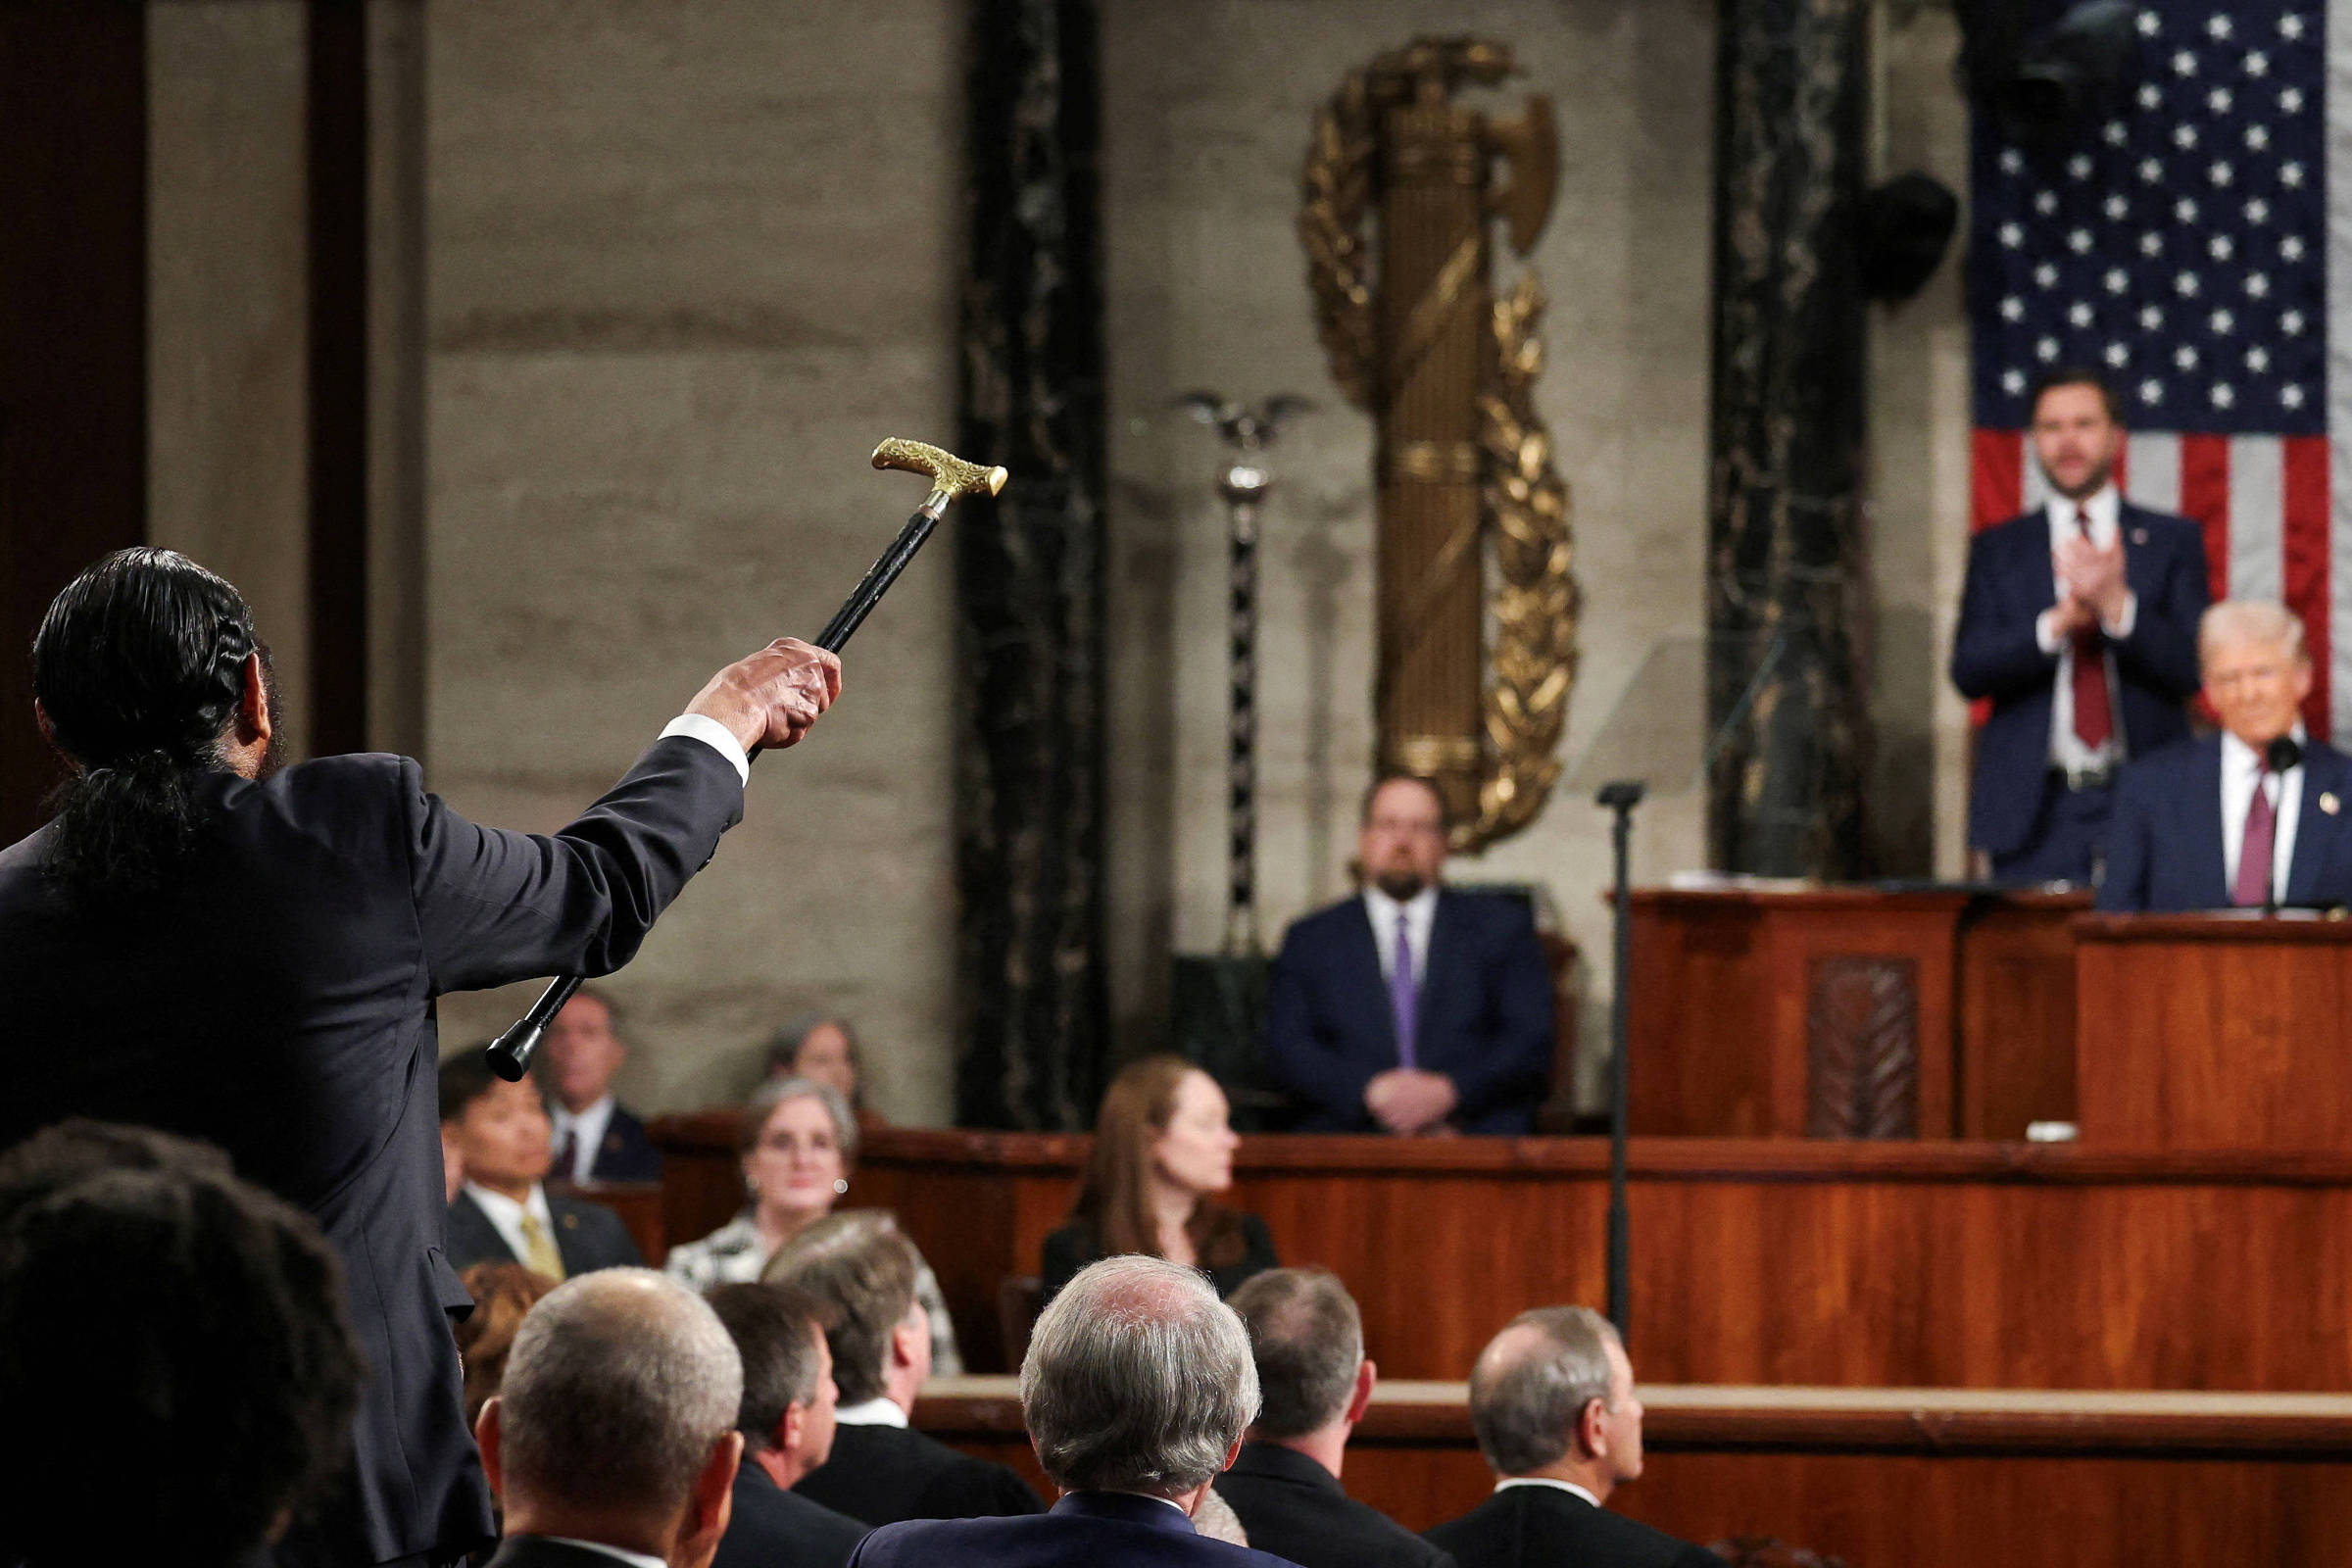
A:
[626, 1153]
[537, 1551]
[1544, 1527]
[1485, 1014]
[773, 1528]
[2164, 848]
[1085, 1530]
[1071, 1247]
[283, 1007]
[588, 1236]
[879, 1475]
[1995, 656]
[1296, 1509]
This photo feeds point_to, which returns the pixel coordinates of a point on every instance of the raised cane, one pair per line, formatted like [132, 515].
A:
[510, 1055]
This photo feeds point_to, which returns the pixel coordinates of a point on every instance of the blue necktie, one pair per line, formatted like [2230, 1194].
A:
[1404, 995]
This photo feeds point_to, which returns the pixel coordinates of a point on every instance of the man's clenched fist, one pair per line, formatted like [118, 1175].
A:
[771, 698]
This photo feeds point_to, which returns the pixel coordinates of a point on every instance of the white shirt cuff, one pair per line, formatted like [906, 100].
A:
[712, 733]
[2122, 628]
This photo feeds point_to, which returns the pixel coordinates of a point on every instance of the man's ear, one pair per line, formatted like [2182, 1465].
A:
[1591, 1437]
[905, 1339]
[253, 702]
[1367, 1377]
[40, 717]
[790, 1428]
[1232, 1453]
[485, 1434]
[711, 1505]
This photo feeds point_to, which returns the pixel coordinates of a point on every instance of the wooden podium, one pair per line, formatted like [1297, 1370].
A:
[2214, 1031]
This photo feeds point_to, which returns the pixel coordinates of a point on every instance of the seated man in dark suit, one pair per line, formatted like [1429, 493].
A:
[505, 1213]
[2079, 624]
[1410, 1008]
[1553, 1403]
[1136, 1390]
[787, 1424]
[1307, 1340]
[862, 1271]
[613, 1435]
[2212, 823]
[597, 1139]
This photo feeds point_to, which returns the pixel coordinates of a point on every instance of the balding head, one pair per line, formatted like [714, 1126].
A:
[1138, 1379]
[618, 1387]
[1552, 1393]
[1307, 1338]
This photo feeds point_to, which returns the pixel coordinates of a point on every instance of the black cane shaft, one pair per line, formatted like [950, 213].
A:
[510, 1055]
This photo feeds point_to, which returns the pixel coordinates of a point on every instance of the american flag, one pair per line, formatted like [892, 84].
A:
[2191, 247]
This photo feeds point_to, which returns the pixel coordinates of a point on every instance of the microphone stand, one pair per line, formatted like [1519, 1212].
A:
[1621, 796]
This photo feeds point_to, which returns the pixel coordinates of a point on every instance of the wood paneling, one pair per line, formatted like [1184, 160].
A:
[1779, 1261]
[1885, 1478]
[2215, 1031]
[1731, 1037]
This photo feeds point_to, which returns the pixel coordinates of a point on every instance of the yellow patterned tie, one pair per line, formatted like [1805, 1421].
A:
[539, 1253]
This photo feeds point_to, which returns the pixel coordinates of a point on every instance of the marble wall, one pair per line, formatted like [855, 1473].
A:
[685, 264]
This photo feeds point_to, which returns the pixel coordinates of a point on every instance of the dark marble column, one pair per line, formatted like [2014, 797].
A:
[1787, 585]
[1030, 575]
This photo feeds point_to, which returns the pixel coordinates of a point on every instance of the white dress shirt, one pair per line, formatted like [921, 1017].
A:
[586, 1131]
[1546, 1481]
[2241, 765]
[1418, 912]
[506, 1216]
[875, 1412]
[712, 733]
[2067, 750]
[635, 1559]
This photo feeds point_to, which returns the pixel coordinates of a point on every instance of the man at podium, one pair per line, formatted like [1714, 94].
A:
[2251, 816]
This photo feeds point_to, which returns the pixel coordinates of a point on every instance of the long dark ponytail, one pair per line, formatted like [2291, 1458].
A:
[138, 666]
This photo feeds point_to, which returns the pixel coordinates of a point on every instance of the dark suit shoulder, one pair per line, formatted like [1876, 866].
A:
[1533, 1527]
[1050, 1539]
[883, 1473]
[1319, 1526]
[774, 1528]
[591, 1236]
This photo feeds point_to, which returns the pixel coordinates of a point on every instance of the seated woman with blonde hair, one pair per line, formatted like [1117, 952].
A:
[799, 1144]
[1163, 1149]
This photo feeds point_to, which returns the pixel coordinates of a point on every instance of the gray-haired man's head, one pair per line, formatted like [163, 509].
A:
[619, 1385]
[1307, 1338]
[1554, 1393]
[1138, 1379]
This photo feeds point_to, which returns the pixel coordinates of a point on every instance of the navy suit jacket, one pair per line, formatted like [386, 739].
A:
[2164, 848]
[1485, 1014]
[773, 1528]
[1084, 1530]
[1995, 656]
[588, 1236]
[281, 1006]
[626, 1153]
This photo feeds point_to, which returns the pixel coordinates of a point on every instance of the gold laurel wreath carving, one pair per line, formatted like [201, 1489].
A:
[1534, 599]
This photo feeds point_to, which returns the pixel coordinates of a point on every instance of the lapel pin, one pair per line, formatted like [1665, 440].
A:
[2139, 536]
[2330, 804]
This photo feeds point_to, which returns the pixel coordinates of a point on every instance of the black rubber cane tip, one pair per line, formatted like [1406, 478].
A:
[510, 1055]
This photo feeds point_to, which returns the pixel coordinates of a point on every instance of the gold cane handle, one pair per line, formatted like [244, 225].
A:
[949, 475]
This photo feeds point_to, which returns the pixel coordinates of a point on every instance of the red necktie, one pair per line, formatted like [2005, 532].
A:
[2254, 850]
[2093, 723]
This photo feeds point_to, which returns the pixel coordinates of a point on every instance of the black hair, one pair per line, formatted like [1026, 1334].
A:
[775, 1328]
[465, 1078]
[81, 1147]
[187, 1319]
[2058, 376]
[139, 665]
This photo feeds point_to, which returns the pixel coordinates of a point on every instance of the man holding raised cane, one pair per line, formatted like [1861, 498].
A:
[203, 943]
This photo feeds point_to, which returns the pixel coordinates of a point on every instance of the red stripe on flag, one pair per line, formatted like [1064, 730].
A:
[1996, 486]
[2205, 496]
[2303, 537]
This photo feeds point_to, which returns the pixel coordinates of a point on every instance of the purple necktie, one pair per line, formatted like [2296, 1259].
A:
[1404, 995]
[2255, 849]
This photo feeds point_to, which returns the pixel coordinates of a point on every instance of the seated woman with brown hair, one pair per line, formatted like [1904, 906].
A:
[501, 1294]
[1162, 1146]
